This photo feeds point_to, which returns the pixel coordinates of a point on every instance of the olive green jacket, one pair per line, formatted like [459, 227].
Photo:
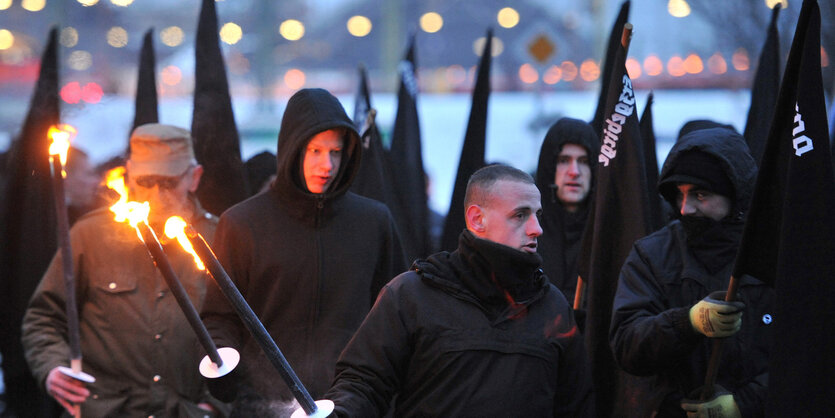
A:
[135, 339]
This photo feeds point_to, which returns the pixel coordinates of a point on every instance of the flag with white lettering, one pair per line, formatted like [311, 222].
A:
[608, 64]
[657, 217]
[788, 236]
[619, 216]
[412, 210]
[216, 142]
[371, 180]
[472, 152]
[764, 90]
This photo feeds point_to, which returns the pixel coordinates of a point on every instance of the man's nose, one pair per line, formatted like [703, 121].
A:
[534, 229]
[574, 168]
[687, 207]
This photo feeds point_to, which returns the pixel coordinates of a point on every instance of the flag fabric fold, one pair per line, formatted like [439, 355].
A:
[607, 64]
[764, 90]
[216, 142]
[788, 236]
[619, 216]
[657, 218]
[473, 149]
[146, 109]
[405, 157]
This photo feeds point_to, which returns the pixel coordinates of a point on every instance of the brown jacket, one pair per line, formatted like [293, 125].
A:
[135, 340]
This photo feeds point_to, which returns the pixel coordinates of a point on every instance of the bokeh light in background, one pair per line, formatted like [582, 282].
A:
[431, 22]
[693, 64]
[6, 39]
[553, 75]
[5, 4]
[171, 75]
[294, 78]
[359, 26]
[171, 36]
[772, 3]
[231, 33]
[508, 17]
[633, 68]
[717, 64]
[496, 48]
[80, 60]
[569, 70]
[68, 37]
[33, 5]
[675, 66]
[678, 8]
[122, 3]
[291, 29]
[740, 60]
[117, 37]
[653, 65]
[528, 74]
[589, 70]
[88, 3]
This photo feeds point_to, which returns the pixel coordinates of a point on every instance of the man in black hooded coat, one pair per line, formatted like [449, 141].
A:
[477, 332]
[564, 215]
[658, 323]
[308, 255]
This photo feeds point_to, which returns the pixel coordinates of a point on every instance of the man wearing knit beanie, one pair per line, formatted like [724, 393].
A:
[669, 304]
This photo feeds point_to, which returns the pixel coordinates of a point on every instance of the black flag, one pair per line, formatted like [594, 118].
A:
[788, 236]
[764, 90]
[412, 212]
[28, 239]
[472, 152]
[619, 216]
[372, 180]
[656, 202]
[216, 142]
[146, 85]
[608, 64]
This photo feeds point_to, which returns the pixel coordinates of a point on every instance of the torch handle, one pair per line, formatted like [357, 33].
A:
[716, 352]
[164, 267]
[251, 321]
[63, 225]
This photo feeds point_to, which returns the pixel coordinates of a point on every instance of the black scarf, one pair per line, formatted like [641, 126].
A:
[713, 243]
[498, 275]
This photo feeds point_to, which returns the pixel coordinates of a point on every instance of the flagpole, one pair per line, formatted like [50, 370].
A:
[716, 353]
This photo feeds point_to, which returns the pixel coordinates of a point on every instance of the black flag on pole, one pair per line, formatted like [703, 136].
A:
[656, 202]
[27, 232]
[764, 90]
[788, 236]
[412, 212]
[472, 152]
[608, 63]
[216, 142]
[619, 216]
[146, 110]
[372, 180]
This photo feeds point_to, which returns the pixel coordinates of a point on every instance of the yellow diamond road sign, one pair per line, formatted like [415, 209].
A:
[541, 48]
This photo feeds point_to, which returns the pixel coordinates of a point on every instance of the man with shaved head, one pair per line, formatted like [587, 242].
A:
[476, 332]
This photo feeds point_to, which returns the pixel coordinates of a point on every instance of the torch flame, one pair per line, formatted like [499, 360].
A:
[175, 227]
[61, 136]
[131, 212]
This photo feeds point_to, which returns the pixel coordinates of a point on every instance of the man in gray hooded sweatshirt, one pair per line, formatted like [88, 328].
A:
[308, 255]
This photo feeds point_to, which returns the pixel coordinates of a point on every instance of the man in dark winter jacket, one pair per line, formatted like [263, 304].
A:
[308, 256]
[665, 313]
[564, 178]
[477, 332]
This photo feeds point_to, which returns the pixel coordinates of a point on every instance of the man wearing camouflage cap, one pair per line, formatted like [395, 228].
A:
[134, 339]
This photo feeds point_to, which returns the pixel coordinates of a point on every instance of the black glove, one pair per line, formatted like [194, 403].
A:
[715, 318]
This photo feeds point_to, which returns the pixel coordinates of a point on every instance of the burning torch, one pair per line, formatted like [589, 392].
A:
[204, 254]
[218, 362]
[58, 148]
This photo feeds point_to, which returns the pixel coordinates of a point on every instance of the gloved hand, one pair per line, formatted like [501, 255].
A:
[715, 318]
[721, 405]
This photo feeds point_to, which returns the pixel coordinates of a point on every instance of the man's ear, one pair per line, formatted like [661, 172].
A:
[194, 178]
[474, 216]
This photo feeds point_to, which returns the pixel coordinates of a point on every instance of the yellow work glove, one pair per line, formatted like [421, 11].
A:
[715, 318]
[721, 405]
